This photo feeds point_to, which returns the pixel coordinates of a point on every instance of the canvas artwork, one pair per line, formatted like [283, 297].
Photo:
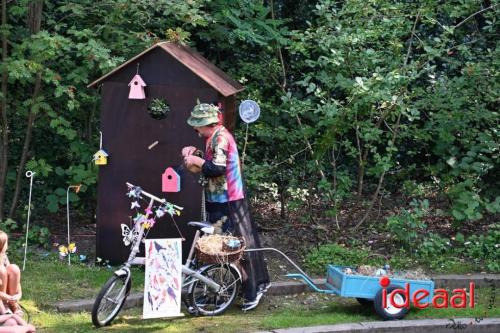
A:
[163, 284]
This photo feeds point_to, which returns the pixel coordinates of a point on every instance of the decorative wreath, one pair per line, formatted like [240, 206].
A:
[158, 108]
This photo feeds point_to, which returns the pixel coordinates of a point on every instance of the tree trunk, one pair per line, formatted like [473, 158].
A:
[309, 147]
[334, 166]
[26, 147]
[282, 195]
[381, 179]
[34, 22]
[363, 158]
[90, 118]
[334, 200]
[283, 89]
[4, 126]
[394, 133]
[361, 164]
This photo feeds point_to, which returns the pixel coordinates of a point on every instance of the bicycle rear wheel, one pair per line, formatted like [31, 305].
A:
[208, 302]
[110, 300]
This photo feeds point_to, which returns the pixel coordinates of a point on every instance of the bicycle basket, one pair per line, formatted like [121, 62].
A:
[213, 249]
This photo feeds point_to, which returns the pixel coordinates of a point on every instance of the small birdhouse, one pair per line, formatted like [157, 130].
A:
[137, 88]
[101, 157]
[171, 181]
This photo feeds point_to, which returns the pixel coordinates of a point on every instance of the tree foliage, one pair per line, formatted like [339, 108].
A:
[385, 92]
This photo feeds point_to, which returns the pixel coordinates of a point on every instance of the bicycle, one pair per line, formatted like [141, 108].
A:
[210, 289]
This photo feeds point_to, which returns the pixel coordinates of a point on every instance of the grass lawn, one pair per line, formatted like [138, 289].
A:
[46, 282]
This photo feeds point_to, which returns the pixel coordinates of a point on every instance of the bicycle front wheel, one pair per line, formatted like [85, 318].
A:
[209, 302]
[110, 300]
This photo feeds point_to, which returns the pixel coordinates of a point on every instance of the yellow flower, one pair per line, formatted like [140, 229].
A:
[63, 250]
[72, 247]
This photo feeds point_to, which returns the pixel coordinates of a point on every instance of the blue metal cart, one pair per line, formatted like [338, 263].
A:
[366, 289]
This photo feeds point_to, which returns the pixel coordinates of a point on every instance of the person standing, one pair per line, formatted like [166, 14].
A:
[226, 205]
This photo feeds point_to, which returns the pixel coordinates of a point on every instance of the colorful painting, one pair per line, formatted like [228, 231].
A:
[163, 282]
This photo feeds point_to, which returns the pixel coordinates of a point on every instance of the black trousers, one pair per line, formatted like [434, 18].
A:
[237, 220]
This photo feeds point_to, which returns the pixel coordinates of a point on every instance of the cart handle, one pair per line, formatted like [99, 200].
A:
[311, 284]
[304, 274]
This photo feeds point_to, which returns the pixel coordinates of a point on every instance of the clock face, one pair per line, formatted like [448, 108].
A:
[249, 111]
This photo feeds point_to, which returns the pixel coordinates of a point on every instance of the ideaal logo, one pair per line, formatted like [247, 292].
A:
[440, 300]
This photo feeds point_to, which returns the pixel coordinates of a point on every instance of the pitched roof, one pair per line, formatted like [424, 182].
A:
[139, 80]
[199, 65]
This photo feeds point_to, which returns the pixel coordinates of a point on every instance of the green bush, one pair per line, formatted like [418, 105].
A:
[433, 246]
[337, 254]
[402, 260]
[439, 254]
[405, 227]
[485, 248]
[8, 225]
[466, 204]
[38, 235]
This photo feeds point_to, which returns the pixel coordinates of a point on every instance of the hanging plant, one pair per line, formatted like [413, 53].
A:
[158, 108]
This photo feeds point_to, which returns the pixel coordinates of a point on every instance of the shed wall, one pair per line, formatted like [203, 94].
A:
[128, 130]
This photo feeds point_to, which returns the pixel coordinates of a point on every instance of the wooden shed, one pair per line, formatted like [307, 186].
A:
[142, 144]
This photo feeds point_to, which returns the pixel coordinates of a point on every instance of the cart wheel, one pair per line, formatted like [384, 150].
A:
[110, 300]
[390, 312]
[364, 301]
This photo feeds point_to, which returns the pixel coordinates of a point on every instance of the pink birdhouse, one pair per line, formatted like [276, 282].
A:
[137, 88]
[171, 181]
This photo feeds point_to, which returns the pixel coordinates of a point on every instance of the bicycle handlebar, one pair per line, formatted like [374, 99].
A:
[149, 195]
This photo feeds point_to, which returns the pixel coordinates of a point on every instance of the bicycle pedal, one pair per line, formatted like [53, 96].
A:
[192, 311]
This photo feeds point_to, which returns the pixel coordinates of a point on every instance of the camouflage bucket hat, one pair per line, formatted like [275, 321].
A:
[203, 114]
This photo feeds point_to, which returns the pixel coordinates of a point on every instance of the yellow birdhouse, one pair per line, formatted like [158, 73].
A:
[101, 157]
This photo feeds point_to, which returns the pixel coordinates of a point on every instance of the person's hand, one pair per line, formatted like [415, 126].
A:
[193, 163]
[186, 151]
[15, 298]
[193, 160]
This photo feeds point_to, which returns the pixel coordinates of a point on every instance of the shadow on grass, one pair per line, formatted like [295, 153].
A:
[350, 306]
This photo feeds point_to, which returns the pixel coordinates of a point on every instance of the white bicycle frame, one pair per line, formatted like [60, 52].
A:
[133, 259]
